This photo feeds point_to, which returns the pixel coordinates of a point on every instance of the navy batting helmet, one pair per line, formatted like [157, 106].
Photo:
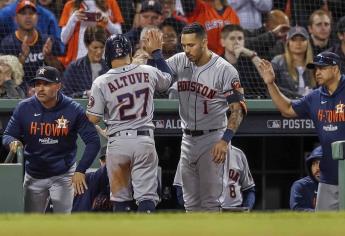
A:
[116, 46]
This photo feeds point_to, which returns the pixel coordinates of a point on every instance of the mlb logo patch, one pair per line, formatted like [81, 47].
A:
[274, 124]
[160, 124]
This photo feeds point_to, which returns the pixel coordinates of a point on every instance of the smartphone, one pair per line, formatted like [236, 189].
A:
[93, 16]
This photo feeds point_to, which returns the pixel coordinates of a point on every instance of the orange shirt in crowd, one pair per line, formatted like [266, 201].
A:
[72, 48]
[206, 15]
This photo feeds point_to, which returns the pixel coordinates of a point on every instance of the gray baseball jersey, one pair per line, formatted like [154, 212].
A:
[237, 179]
[125, 96]
[203, 90]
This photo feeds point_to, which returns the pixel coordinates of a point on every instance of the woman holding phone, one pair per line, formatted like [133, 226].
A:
[77, 15]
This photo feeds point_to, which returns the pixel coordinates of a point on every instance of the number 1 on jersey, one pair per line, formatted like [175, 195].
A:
[205, 107]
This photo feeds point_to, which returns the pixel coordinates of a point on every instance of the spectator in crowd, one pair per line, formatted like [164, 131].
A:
[250, 12]
[303, 191]
[171, 29]
[31, 47]
[77, 15]
[46, 24]
[150, 15]
[169, 11]
[293, 79]
[47, 126]
[11, 76]
[268, 41]
[243, 59]
[238, 183]
[54, 6]
[299, 11]
[319, 27]
[97, 195]
[213, 15]
[339, 48]
[4, 3]
[79, 74]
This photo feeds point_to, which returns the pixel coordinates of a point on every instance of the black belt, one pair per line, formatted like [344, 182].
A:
[139, 132]
[195, 133]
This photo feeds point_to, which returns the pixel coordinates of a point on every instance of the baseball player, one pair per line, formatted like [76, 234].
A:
[303, 191]
[208, 86]
[124, 96]
[326, 108]
[48, 125]
[238, 182]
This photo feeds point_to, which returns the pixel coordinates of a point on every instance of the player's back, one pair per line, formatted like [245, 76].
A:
[128, 96]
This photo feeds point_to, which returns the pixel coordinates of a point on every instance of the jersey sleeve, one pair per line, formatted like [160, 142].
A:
[163, 80]
[96, 103]
[116, 15]
[231, 78]
[302, 106]
[175, 63]
[14, 129]
[246, 179]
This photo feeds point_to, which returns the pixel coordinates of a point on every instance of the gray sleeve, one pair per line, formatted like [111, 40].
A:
[246, 179]
[163, 80]
[96, 101]
[262, 5]
[175, 62]
[231, 78]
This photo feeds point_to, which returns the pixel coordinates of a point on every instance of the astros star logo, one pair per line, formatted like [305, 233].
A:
[62, 122]
[41, 71]
[339, 108]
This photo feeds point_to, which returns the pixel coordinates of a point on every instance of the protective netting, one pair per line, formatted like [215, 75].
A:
[70, 36]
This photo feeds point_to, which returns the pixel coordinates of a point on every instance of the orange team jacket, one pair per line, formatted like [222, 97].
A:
[72, 47]
[206, 15]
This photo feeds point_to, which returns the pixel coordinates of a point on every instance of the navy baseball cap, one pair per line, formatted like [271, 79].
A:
[47, 73]
[297, 30]
[151, 5]
[324, 59]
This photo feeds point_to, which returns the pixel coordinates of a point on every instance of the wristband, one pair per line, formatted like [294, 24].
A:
[227, 136]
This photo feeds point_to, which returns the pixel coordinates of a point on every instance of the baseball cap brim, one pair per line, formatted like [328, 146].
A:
[316, 64]
[44, 79]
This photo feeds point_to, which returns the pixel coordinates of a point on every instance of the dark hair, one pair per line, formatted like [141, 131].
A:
[230, 28]
[341, 25]
[101, 4]
[177, 25]
[194, 28]
[95, 33]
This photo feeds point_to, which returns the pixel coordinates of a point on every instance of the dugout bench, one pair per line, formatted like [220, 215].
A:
[275, 149]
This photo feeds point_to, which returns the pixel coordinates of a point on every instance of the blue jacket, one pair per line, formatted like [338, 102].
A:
[78, 77]
[303, 191]
[47, 23]
[97, 182]
[50, 136]
[328, 114]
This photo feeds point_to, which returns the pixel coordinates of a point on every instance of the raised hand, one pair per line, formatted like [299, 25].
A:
[153, 40]
[47, 47]
[80, 15]
[266, 71]
[25, 48]
[281, 30]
